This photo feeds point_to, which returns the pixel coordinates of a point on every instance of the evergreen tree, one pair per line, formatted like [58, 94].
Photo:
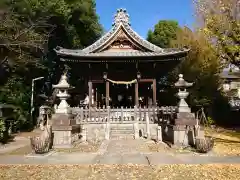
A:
[164, 31]
[29, 31]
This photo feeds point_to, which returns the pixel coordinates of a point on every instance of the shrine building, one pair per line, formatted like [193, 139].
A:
[121, 68]
[119, 74]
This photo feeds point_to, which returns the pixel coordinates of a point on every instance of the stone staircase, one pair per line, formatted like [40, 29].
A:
[121, 131]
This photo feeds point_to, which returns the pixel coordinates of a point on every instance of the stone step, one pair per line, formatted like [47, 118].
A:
[121, 133]
[121, 128]
[118, 137]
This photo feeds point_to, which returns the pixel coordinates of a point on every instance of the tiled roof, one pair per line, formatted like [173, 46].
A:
[123, 53]
[121, 21]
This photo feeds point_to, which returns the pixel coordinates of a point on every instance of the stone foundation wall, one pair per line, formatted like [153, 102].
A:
[153, 130]
[97, 131]
[94, 131]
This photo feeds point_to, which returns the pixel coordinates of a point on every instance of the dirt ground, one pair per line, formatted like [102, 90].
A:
[227, 142]
[124, 172]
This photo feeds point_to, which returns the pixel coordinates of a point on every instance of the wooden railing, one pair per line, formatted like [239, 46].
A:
[124, 115]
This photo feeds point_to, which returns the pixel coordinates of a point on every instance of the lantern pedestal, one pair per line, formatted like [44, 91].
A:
[65, 130]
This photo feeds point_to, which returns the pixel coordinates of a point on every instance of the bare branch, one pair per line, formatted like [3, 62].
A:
[4, 60]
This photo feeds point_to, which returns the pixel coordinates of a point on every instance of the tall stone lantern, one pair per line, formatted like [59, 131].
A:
[185, 121]
[64, 126]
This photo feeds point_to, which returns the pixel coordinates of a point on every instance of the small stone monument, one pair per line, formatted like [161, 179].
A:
[183, 129]
[64, 125]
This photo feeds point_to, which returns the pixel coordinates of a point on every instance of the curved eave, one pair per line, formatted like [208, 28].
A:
[103, 57]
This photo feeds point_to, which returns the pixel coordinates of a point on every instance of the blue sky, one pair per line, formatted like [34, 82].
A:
[144, 14]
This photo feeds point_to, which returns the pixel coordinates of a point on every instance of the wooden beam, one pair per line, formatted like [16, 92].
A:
[98, 81]
[107, 93]
[136, 95]
[90, 93]
[145, 80]
[154, 92]
[141, 81]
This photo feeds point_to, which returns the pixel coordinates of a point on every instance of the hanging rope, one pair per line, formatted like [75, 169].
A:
[122, 82]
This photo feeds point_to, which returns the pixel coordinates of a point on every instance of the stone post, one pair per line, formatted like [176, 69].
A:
[107, 128]
[84, 134]
[107, 131]
[159, 134]
[148, 127]
[64, 126]
[136, 128]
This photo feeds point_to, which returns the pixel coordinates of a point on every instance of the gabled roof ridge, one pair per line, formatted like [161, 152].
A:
[101, 41]
[130, 32]
[121, 20]
[141, 40]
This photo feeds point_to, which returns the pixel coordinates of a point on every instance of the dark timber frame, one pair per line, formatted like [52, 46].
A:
[153, 81]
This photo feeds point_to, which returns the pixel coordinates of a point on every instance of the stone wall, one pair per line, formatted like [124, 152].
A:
[153, 130]
[94, 131]
[98, 131]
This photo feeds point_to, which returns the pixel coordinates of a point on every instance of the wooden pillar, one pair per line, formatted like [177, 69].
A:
[96, 97]
[107, 93]
[136, 95]
[90, 93]
[154, 92]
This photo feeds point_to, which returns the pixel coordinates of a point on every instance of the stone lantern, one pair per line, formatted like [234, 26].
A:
[185, 121]
[63, 95]
[64, 126]
[182, 85]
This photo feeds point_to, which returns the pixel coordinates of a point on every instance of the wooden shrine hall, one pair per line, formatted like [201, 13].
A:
[121, 63]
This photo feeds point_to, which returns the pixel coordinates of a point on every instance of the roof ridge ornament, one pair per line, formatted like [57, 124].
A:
[121, 17]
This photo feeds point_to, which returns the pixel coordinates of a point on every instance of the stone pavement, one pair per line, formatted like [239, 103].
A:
[119, 152]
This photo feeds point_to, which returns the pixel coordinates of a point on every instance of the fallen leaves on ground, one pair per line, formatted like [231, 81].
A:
[82, 147]
[78, 147]
[147, 146]
[112, 172]
[227, 142]
[158, 147]
[162, 147]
